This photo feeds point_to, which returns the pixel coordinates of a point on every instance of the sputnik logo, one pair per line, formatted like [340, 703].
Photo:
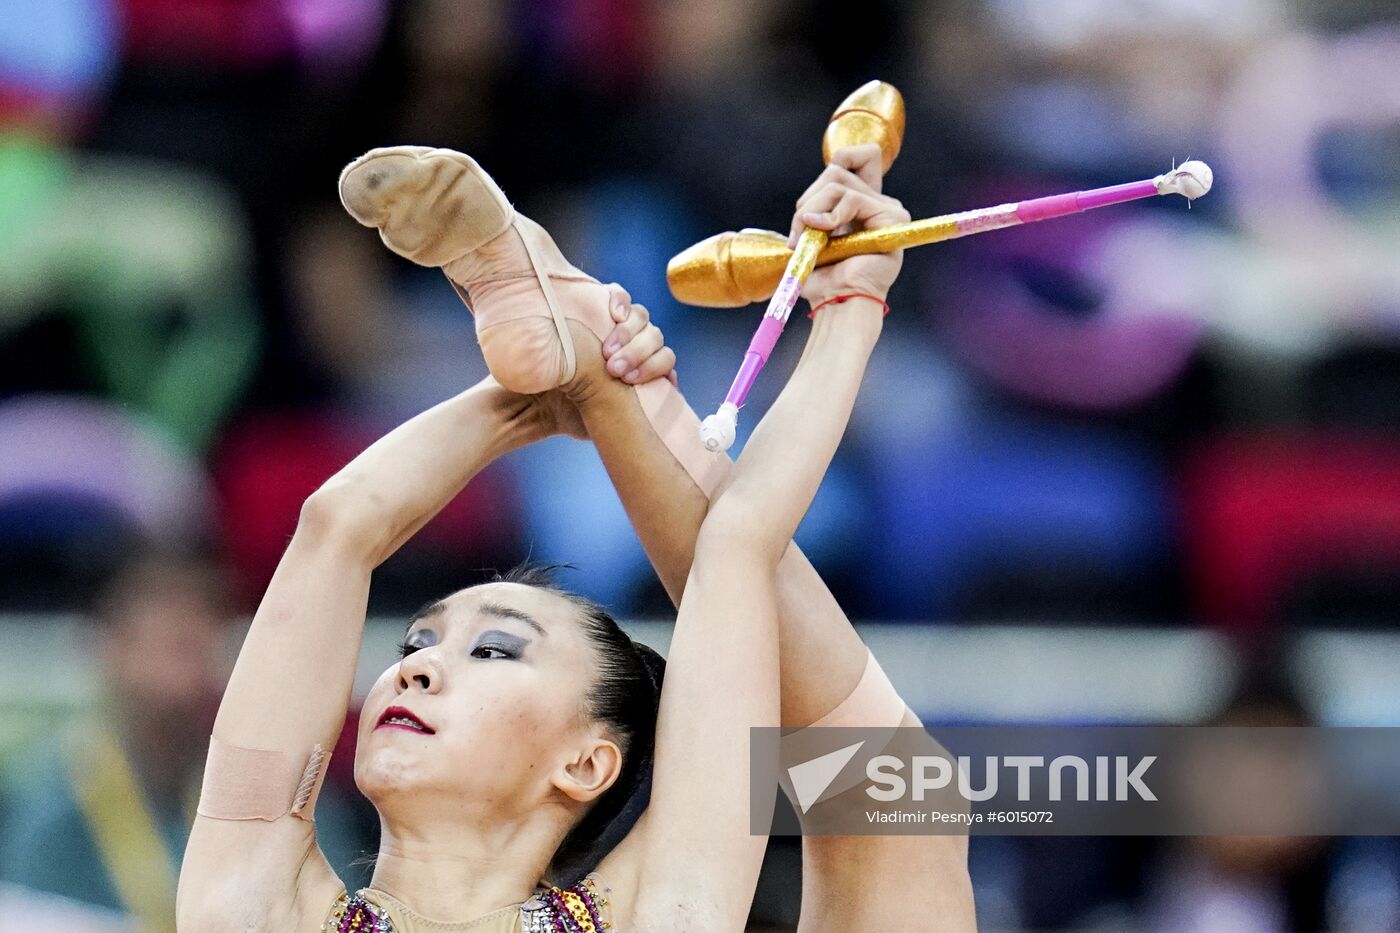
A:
[811, 778]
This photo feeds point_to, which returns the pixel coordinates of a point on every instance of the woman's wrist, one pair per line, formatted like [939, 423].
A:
[858, 315]
[817, 303]
[850, 304]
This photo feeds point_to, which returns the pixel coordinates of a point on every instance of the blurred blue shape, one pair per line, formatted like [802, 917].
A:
[1064, 124]
[60, 516]
[573, 516]
[1365, 890]
[998, 872]
[630, 230]
[990, 498]
[1360, 166]
[57, 47]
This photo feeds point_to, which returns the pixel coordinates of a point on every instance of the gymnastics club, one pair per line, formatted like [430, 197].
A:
[874, 113]
[730, 270]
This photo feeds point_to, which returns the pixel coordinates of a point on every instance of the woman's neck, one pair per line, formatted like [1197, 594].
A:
[457, 871]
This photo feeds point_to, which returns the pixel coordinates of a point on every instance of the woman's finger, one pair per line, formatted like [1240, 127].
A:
[618, 302]
[636, 352]
[659, 364]
[822, 200]
[819, 197]
[888, 212]
[866, 162]
[853, 207]
[823, 193]
[832, 174]
[635, 321]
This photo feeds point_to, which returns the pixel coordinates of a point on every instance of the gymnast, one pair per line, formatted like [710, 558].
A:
[520, 719]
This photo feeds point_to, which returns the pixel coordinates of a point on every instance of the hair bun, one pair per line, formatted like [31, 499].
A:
[654, 663]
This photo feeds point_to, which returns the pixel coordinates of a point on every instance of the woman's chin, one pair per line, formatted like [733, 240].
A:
[385, 773]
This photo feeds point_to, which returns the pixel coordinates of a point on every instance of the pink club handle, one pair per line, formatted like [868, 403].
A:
[1061, 205]
[755, 358]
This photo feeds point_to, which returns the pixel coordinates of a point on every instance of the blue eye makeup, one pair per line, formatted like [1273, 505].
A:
[496, 645]
[491, 645]
[414, 640]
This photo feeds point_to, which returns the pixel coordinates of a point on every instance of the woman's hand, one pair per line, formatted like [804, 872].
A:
[846, 197]
[635, 352]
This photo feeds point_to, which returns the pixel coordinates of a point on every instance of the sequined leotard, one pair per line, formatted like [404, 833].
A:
[582, 908]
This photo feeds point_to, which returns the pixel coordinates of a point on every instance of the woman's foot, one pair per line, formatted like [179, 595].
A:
[534, 310]
[541, 322]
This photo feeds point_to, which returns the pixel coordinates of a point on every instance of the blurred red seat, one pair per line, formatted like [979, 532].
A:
[1268, 514]
[266, 466]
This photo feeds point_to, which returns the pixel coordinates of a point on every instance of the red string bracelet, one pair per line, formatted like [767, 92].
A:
[839, 299]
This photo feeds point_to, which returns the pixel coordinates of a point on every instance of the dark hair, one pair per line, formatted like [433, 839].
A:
[626, 695]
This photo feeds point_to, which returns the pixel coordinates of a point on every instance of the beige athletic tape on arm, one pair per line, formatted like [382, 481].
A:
[256, 784]
[874, 703]
[873, 707]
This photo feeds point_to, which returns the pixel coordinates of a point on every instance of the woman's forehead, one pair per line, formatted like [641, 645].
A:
[529, 605]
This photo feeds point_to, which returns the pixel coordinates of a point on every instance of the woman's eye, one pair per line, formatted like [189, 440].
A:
[417, 640]
[490, 652]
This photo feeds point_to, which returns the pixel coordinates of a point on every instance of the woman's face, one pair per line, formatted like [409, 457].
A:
[485, 706]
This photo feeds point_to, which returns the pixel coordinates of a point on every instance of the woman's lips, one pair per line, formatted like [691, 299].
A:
[397, 717]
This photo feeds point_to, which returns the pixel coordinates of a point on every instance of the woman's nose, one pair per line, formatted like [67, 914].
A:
[421, 671]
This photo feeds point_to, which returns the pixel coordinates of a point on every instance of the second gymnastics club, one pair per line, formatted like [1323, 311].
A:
[733, 269]
[874, 113]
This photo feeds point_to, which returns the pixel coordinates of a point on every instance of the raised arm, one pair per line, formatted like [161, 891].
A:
[698, 855]
[291, 686]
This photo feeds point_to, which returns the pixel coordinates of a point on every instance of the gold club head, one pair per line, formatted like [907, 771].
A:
[873, 113]
[728, 270]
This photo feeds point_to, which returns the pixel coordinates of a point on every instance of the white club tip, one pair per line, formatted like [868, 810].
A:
[1189, 179]
[718, 430]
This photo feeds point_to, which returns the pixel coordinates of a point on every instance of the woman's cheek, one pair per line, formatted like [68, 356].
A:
[375, 700]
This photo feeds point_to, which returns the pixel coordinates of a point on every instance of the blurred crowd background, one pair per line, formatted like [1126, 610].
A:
[1142, 423]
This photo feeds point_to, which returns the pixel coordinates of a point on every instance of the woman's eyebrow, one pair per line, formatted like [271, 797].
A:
[507, 612]
[427, 612]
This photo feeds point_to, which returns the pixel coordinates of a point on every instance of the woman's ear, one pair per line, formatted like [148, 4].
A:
[591, 771]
